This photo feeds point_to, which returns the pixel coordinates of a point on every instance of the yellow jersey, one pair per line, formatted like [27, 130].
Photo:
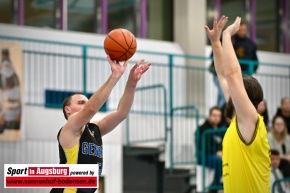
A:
[246, 167]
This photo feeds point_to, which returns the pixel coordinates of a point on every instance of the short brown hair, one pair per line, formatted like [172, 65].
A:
[253, 89]
[66, 102]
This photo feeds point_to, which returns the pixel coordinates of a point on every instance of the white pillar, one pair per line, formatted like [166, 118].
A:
[189, 22]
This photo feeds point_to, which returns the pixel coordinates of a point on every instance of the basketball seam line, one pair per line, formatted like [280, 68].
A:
[125, 39]
[117, 42]
[125, 53]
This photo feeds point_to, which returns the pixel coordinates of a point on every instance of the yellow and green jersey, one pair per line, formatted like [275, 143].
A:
[246, 167]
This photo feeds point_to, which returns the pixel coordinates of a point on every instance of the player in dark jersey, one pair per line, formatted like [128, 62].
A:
[80, 140]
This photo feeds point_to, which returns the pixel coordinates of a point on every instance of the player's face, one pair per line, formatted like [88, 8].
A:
[78, 102]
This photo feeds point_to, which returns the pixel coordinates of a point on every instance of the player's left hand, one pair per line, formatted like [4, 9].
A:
[233, 28]
[138, 70]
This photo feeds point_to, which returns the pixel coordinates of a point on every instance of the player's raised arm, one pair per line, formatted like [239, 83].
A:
[214, 36]
[244, 92]
[110, 121]
[85, 109]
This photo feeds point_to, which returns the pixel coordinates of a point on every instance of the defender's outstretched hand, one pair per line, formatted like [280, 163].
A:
[215, 33]
[138, 70]
[233, 28]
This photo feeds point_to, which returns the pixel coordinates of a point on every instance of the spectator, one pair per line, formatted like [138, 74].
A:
[284, 111]
[263, 111]
[279, 140]
[276, 173]
[213, 143]
[245, 49]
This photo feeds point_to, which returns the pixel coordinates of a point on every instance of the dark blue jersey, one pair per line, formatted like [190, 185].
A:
[89, 150]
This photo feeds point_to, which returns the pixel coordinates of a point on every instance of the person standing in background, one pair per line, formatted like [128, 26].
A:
[245, 49]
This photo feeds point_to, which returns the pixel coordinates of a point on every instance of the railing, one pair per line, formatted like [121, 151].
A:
[80, 68]
[280, 181]
[150, 107]
[184, 123]
[208, 148]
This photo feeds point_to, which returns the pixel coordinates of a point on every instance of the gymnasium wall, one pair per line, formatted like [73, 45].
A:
[40, 125]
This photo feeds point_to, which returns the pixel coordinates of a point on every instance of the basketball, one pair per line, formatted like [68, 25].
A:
[120, 44]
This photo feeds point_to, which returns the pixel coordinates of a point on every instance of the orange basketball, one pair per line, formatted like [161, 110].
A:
[120, 44]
